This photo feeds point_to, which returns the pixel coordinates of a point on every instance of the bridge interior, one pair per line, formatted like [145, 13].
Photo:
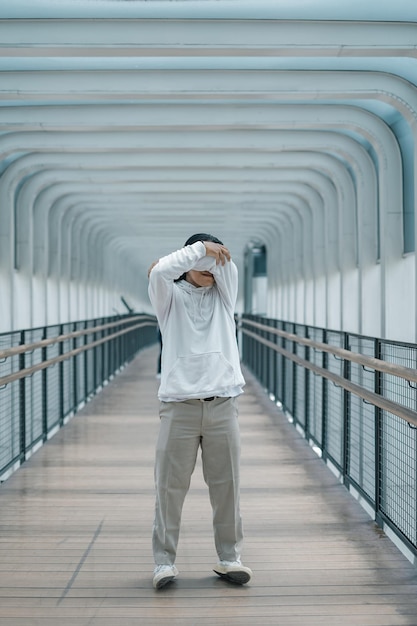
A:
[288, 130]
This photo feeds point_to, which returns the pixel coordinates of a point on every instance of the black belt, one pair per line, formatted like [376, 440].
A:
[208, 399]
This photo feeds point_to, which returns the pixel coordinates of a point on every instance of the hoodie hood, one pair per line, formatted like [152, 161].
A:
[195, 303]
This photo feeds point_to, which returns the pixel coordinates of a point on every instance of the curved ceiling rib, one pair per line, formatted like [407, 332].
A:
[124, 125]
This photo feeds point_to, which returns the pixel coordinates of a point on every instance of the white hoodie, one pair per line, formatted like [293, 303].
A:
[200, 357]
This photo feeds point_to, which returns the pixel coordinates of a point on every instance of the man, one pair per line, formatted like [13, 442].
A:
[193, 292]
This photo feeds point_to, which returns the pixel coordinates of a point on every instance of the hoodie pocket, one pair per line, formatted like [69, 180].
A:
[198, 375]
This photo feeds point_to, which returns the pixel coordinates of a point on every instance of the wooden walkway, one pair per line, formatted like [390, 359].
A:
[75, 528]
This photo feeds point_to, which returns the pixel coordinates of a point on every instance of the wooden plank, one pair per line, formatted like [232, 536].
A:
[76, 519]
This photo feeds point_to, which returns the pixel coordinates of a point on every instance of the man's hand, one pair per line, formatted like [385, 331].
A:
[217, 251]
[152, 266]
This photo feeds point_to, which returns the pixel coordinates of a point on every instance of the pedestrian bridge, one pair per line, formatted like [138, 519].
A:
[76, 525]
[76, 516]
[289, 131]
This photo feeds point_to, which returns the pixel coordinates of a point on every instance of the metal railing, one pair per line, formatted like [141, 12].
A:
[47, 374]
[355, 400]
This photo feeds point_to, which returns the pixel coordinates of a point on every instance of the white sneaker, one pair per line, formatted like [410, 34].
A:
[163, 574]
[233, 571]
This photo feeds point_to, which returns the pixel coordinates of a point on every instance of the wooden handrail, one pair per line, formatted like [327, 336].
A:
[403, 412]
[29, 371]
[30, 347]
[377, 364]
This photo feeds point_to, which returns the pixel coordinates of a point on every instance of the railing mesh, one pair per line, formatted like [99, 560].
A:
[34, 405]
[334, 418]
[374, 450]
[9, 403]
[52, 385]
[315, 397]
[361, 435]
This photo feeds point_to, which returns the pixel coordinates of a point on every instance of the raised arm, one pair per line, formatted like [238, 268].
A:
[163, 272]
[199, 256]
[224, 272]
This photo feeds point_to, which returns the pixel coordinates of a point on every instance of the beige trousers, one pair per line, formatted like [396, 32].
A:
[184, 427]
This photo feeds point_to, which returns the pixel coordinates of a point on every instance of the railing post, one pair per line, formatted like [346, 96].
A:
[109, 356]
[263, 354]
[61, 378]
[44, 391]
[257, 351]
[307, 388]
[284, 373]
[252, 350]
[94, 359]
[270, 362]
[75, 370]
[249, 351]
[346, 415]
[104, 353]
[267, 360]
[294, 375]
[378, 440]
[22, 404]
[275, 366]
[85, 355]
[125, 350]
[110, 367]
[325, 364]
[101, 354]
[115, 350]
